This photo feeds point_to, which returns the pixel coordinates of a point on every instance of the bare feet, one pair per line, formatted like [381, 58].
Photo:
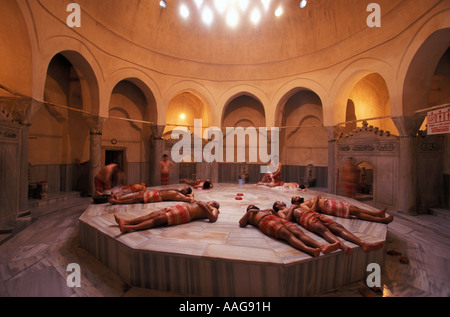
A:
[328, 248]
[118, 220]
[368, 247]
[388, 219]
[121, 223]
[382, 212]
[347, 250]
[314, 252]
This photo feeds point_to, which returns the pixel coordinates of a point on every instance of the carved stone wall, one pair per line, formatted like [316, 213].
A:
[378, 148]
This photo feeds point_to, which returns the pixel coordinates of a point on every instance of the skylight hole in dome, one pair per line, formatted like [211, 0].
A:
[207, 16]
[184, 11]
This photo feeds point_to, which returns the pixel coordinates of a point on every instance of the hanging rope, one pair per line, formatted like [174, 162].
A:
[189, 126]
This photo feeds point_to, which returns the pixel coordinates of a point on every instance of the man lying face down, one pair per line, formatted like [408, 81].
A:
[154, 196]
[171, 216]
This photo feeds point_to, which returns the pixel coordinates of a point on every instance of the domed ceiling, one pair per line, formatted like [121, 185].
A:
[296, 33]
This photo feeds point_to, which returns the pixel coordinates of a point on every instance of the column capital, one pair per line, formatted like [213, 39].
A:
[19, 109]
[333, 133]
[157, 131]
[95, 124]
[408, 126]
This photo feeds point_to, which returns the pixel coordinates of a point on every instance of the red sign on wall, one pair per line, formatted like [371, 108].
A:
[439, 121]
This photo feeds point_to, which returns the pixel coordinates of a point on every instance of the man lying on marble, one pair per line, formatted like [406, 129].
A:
[279, 228]
[129, 189]
[171, 216]
[200, 183]
[321, 225]
[154, 196]
[344, 210]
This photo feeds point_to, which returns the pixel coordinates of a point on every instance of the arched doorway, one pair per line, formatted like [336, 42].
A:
[247, 112]
[59, 136]
[126, 138]
[185, 110]
[303, 138]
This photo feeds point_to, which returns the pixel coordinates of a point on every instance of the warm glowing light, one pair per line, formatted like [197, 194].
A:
[233, 12]
[182, 116]
[184, 11]
[266, 4]
[221, 5]
[243, 4]
[279, 11]
[255, 16]
[232, 18]
[207, 16]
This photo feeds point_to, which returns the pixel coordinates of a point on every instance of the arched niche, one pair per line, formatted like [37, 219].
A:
[303, 137]
[244, 111]
[59, 135]
[369, 99]
[183, 110]
[126, 135]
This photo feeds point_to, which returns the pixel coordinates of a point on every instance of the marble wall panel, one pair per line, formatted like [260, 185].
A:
[9, 174]
[216, 274]
[385, 181]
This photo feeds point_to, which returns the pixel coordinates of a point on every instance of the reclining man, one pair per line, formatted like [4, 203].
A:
[200, 183]
[171, 216]
[344, 210]
[278, 228]
[154, 196]
[321, 225]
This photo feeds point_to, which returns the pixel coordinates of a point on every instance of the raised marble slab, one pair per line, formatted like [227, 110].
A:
[222, 259]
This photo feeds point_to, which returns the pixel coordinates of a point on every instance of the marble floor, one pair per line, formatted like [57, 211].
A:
[33, 262]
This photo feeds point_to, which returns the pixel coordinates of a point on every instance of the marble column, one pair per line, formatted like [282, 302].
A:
[157, 151]
[15, 118]
[23, 193]
[408, 126]
[95, 148]
[332, 133]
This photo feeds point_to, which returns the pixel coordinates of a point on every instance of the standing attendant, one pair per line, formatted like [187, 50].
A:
[165, 166]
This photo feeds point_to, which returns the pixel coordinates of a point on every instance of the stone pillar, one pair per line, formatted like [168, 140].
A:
[16, 116]
[23, 192]
[95, 149]
[408, 126]
[157, 151]
[332, 133]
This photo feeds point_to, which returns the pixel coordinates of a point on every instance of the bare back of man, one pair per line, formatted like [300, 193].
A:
[153, 196]
[277, 228]
[171, 216]
[345, 210]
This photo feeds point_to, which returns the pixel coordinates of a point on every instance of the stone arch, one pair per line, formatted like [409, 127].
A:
[418, 79]
[198, 90]
[243, 90]
[418, 63]
[15, 51]
[144, 83]
[290, 89]
[84, 63]
[346, 81]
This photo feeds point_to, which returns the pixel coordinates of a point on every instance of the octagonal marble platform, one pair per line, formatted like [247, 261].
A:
[222, 259]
